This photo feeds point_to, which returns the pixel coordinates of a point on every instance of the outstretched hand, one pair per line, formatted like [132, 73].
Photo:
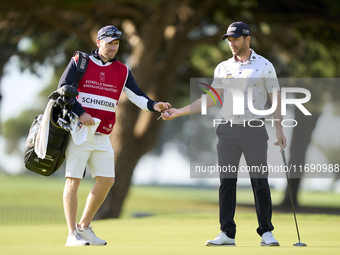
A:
[170, 114]
[161, 106]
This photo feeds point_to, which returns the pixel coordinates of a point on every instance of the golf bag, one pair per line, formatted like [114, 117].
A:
[60, 117]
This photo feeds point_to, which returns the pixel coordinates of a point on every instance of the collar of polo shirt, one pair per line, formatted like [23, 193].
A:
[253, 57]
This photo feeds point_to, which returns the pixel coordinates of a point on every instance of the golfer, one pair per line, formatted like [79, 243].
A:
[99, 93]
[246, 135]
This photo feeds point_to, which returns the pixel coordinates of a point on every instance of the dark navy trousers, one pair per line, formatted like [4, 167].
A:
[233, 141]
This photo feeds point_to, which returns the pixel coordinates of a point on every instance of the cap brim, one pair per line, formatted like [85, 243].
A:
[110, 39]
[230, 34]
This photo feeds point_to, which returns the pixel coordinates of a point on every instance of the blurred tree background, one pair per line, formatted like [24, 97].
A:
[166, 43]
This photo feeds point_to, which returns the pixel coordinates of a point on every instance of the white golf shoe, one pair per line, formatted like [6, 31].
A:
[74, 239]
[269, 240]
[88, 235]
[221, 240]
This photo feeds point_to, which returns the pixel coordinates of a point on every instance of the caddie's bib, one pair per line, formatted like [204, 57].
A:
[100, 90]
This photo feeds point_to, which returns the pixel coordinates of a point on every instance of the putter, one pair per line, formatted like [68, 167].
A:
[291, 200]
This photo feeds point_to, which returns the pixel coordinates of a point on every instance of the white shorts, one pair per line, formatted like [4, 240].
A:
[96, 155]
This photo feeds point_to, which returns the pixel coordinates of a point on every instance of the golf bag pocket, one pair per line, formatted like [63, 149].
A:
[58, 139]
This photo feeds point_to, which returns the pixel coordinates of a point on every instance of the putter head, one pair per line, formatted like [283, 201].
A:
[300, 244]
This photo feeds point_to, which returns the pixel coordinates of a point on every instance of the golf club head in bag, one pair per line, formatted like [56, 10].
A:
[64, 98]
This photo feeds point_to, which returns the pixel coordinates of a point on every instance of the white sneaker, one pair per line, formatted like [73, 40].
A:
[88, 235]
[74, 239]
[268, 240]
[221, 239]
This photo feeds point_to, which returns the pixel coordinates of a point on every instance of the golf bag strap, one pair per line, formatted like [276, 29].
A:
[83, 62]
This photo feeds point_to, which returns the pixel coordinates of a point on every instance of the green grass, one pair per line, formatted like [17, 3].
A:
[177, 235]
[166, 200]
[35, 199]
[183, 219]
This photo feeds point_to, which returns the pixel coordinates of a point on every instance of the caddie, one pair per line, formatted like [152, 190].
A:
[99, 92]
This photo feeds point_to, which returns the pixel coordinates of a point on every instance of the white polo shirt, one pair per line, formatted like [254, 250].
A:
[257, 74]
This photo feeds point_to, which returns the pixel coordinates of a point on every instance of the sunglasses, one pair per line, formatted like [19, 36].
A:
[110, 33]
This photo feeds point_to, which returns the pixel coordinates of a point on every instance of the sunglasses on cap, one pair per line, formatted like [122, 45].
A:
[110, 33]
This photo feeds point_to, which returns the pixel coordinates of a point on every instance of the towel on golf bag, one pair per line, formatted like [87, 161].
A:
[81, 133]
[56, 146]
[40, 147]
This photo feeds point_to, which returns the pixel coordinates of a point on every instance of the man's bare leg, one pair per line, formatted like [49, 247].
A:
[95, 199]
[70, 200]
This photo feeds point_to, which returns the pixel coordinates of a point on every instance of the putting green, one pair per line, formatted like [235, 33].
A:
[178, 234]
[32, 222]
